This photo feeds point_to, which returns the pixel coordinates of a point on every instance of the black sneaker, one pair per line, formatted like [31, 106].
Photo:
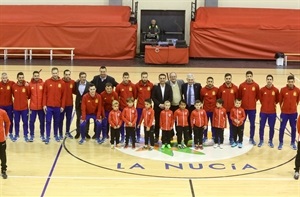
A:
[296, 175]
[4, 175]
[77, 135]
[87, 136]
[94, 136]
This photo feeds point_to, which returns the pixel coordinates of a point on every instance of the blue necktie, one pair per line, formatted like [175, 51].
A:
[189, 101]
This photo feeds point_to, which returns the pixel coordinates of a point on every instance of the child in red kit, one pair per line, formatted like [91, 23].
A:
[237, 116]
[129, 116]
[115, 122]
[148, 119]
[198, 123]
[219, 123]
[166, 123]
[182, 126]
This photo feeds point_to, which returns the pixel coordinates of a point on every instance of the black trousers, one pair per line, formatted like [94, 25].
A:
[3, 156]
[297, 159]
[182, 131]
[166, 137]
[219, 135]
[114, 136]
[191, 109]
[78, 116]
[157, 118]
[238, 131]
[130, 133]
[198, 135]
[149, 135]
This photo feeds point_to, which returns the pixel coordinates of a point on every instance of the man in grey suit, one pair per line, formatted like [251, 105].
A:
[81, 88]
[161, 92]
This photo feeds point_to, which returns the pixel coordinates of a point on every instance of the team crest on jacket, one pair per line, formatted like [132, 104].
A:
[213, 93]
[71, 85]
[32, 88]
[132, 111]
[141, 88]
[231, 91]
[295, 94]
[240, 112]
[169, 115]
[59, 85]
[8, 88]
[273, 93]
[23, 89]
[41, 87]
[253, 88]
[130, 88]
[148, 88]
[122, 90]
[96, 100]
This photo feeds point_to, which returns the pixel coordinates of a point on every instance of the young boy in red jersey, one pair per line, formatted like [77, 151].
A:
[219, 123]
[182, 126]
[198, 123]
[166, 122]
[297, 158]
[129, 116]
[115, 122]
[237, 116]
[148, 118]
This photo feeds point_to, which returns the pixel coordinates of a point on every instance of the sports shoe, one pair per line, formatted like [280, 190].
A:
[251, 141]
[137, 140]
[87, 136]
[133, 146]
[296, 175]
[215, 145]
[122, 140]
[26, 139]
[47, 140]
[57, 138]
[183, 145]
[280, 146]
[31, 138]
[233, 144]
[4, 175]
[196, 147]
[150, 148]
[78, 135]
[293, 146]
[11, 137]
[68, 135]
[240, 145]
[204, 139]
[16, 137]
[163, 146]
[103, 140]
[94, 136]
[126, 146]
[270, 144]
[221, 146]
[61, 137]
[201, 147]
[260, 143]
[112, 146]
[98, 141]
[81, 141]
[168, 146]
[179, 146]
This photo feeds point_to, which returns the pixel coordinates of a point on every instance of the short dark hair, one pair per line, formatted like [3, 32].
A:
[162, 74]
[54, 68]
[108, 84]
[209, 78]
[182, 101]
[148, 100]
[144, 73]
[20, 73]
[227, 74]
[291, 77]
[130, 99]
[125, 74]
[198, 101]
[35, 72]
[82, 73]
[92, 85]
[103, 67]
[269, 76]
[249, 72]
[220, 101]
[67, 70]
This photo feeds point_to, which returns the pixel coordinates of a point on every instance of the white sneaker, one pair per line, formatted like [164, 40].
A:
[215, 145]
[221, 146]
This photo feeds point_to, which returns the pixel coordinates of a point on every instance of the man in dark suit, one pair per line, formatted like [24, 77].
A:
[81, 88]
[100, 82]
[102, 79]
[191, 93]
[161, 92]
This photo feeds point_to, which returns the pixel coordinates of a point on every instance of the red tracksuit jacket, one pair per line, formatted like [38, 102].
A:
[129, 114]
[209, 98]
[4, 121]
[36, 94]
[228, 94]
[268, 97]
[249, 93]
[181, 117]
[107, 99]
[91, 105]
[21, 96]
[147, 117]
[54, 93]
[166, 120]
[237, 114]
[69, 87]
[115, 118]
[219, 118]
[289, 99]
[6, 93]
[143, 91]
[125, 91]
[198, 118]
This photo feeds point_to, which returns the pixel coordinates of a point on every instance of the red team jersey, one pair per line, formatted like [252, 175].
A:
[107, 99]
[21, 96]
[219, 118]
[143, 91]
[36, 94]
[125, 91]
[268, 97]
[115, 118]
[91, 105]
[129, 114]
[69, 87]
[54, 93]
[6, 93]
[249, 93]
[181, 117]
[198, 118]
[289, 99]
[237, 114]
[166, 120]
[209, 97]
[228, 94]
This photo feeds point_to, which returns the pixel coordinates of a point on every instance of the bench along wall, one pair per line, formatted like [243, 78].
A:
[244, 33]
[96, 32]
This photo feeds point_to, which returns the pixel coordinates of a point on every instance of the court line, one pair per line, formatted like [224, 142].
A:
[192, 188]
[54, 164]
[154, 178]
